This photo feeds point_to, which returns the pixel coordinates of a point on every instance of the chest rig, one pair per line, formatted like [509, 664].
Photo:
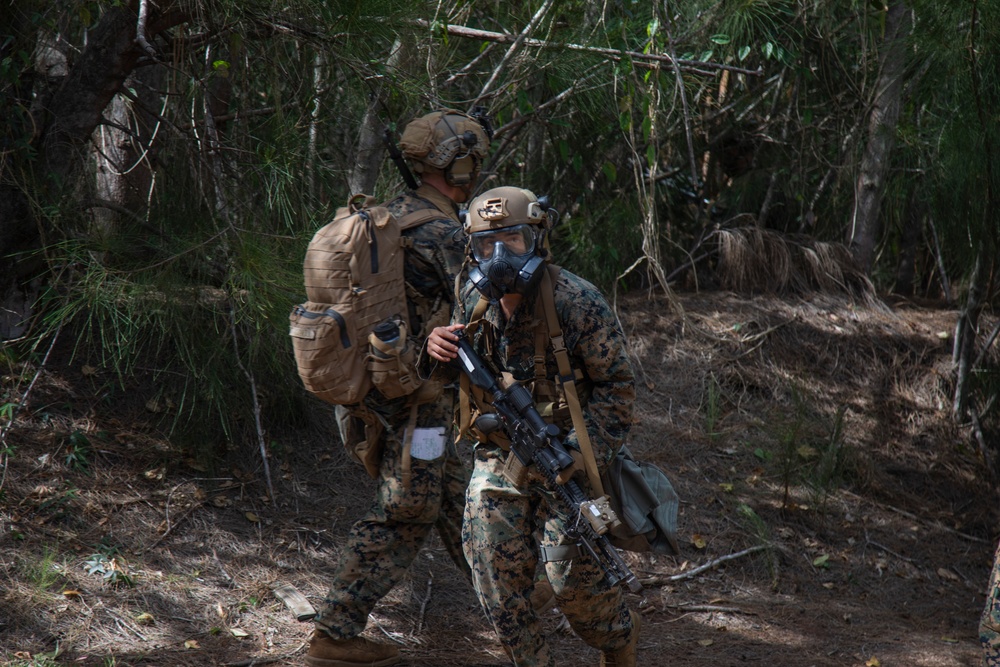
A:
[558, 399]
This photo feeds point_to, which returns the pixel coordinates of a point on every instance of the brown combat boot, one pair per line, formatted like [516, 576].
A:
[625, 656]
[325, 651]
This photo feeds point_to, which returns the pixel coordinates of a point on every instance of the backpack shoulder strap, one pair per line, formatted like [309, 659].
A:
[464, 404]
[419, 217]
[567, 379]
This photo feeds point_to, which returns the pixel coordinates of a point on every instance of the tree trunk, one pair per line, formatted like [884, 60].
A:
[966, 331]
[913, 224]
[370, 147]
[76, 108]
[863, 232]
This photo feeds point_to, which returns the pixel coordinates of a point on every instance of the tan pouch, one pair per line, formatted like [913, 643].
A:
[323, 340]
[392, 363]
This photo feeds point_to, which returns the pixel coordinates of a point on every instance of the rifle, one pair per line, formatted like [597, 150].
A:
[534, 441]
[397, 156]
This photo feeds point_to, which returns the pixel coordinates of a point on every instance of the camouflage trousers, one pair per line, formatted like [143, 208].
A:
[989, 623]
[501, 522]
[382, 544]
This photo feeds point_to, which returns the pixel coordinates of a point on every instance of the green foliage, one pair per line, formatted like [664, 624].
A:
[808, 448]
[78, 451]
[44, 660]
[113, 570]
[753, 523]
[43, 572]
[757, 528]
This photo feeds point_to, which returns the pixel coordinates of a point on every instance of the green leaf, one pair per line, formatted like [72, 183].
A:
[822, 561]
[743, 52]
[523, 105]
[651, 155]
[610, 172]
[564, 150]
[720, 38]
[577, 163]
[768, 50]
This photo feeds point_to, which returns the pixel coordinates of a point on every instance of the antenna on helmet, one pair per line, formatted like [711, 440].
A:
[483, 118]
[397, 157]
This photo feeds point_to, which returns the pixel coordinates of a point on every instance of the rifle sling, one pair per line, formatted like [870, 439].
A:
[567, 379]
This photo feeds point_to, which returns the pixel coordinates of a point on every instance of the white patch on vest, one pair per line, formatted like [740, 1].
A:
[427, 443]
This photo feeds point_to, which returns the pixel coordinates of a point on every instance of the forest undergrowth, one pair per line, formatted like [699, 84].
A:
[832, 513]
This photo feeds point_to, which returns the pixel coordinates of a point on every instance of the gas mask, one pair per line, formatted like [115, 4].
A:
[506, 261]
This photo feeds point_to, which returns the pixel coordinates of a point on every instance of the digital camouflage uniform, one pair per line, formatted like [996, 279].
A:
[501, 520]
[989, 623]
[383, 543]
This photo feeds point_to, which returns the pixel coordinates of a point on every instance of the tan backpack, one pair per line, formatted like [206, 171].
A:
[350, 335]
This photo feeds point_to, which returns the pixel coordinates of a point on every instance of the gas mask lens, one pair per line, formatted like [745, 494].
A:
[516, 240]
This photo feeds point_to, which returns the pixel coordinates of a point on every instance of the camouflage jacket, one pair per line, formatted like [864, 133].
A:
[596, 347]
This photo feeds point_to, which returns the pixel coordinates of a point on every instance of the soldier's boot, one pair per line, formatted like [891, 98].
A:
[325, 651]
[625, 656]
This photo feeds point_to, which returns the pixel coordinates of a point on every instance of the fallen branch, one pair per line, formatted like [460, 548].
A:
[423, 604]
[695, 66]
[520, 39]
[914, 517]
[660, 580]
[256, 404]
[692, 608]
[762, 334]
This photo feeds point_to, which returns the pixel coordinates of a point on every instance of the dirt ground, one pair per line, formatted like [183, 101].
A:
[831, 513]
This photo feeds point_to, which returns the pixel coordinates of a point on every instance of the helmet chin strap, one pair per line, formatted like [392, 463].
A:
[466, 176]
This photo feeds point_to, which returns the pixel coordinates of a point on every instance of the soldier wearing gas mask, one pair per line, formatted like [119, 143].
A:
[421, 481]
[521, 313]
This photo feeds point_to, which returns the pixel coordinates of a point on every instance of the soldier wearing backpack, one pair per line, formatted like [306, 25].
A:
[420, 480]
[554, 333]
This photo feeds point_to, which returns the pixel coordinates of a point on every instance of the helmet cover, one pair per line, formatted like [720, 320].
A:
[443, 137]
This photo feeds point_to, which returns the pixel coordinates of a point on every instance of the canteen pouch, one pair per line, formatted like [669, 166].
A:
[393, 364]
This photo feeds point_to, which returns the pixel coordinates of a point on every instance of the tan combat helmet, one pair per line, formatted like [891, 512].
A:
[504, 207]
[446, 141]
